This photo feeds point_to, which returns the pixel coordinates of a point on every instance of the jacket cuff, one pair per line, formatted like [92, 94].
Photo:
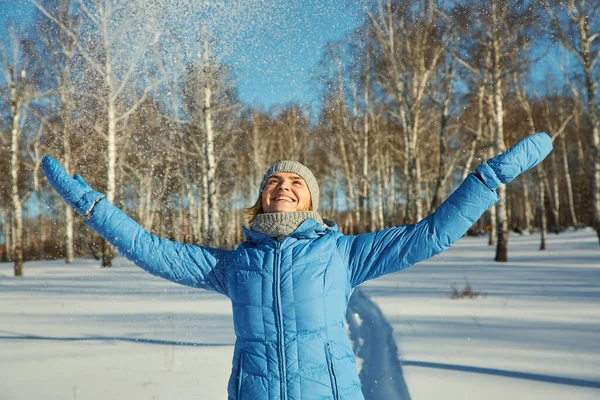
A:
[488, 176]
[87, 202]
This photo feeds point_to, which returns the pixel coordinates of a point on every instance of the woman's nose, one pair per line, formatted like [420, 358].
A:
[283, 186]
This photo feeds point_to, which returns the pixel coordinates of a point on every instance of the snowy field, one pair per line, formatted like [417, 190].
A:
[82, 332]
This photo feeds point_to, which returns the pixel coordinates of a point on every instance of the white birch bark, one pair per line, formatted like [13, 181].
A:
[69, 232]
[17, 66]
[541, 207]
[483, 84]
[492, 213]
[527, 215]
[567, 179]
[499, 146]
[444, 171]
[16, 203]
[209, 156]
[555, 194]
[380, 181]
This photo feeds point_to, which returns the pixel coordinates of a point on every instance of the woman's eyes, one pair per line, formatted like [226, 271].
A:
[298, 182]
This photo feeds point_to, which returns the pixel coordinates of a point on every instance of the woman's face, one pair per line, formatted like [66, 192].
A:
[285, 192]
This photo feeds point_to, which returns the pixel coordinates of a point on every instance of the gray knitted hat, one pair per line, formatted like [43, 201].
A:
[296, 168]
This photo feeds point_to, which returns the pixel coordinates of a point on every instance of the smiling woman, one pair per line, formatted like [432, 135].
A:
[290, 281]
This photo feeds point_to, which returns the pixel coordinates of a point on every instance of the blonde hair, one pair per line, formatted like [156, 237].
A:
[252, 212]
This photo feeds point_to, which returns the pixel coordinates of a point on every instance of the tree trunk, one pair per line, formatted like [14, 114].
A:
[585, 40]
[493, 218]
[364, 178]
[204, 201]
[541, 206]
[414, 175]
[69, 239]
[392, 213]
[567, 178]
[8, 234]
[111, 137]
[107, 249]
[17, 210]
[501, 215]
[258, 160]
[479, 131]
[439, 191]
[353, 203]
[209, 155]
[555, 194]
[526, 206]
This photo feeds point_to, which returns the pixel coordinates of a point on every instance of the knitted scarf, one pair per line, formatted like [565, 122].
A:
[280, 224]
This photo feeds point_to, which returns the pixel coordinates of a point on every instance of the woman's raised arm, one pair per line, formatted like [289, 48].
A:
[374, 254]
[181, 263]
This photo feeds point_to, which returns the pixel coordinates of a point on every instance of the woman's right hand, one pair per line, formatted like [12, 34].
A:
[75, 191]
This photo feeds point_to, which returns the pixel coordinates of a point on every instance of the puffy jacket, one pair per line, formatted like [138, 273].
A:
[290, 296]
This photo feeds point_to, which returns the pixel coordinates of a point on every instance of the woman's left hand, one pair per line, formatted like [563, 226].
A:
[523, 156]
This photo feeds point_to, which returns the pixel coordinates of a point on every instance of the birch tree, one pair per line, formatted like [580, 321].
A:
[19, 70]
[576, 25]
[337, 117]
[540, 174]
[557, 120]
[114, 44]
[411, 50]
[445, 93]
[208, 95]
[62, 51]
[503, 29]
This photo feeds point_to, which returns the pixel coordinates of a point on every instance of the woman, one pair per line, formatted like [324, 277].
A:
[290, 281]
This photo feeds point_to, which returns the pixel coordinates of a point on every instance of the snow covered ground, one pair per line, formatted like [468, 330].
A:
[81, 332]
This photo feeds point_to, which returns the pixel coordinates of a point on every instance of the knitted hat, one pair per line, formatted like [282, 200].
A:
[296, 168]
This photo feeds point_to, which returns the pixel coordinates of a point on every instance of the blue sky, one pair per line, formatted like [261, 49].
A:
[281, 55]
[275, 44]
[273, 55]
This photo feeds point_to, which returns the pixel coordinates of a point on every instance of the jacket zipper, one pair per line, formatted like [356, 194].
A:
[279, 319]
[329, 356]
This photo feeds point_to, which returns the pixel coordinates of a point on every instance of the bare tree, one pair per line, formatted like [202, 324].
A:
[491, 25]
[411, 50]
[557, 119]
[19, 74]
[338, 117]
[576, 25]
[117, 64]
[208, 96]
[446, 94]
[540, 175]
[62, 54]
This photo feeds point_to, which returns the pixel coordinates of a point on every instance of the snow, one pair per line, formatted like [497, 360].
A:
[82, 332]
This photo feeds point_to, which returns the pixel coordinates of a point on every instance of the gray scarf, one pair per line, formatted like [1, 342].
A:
[280, 224]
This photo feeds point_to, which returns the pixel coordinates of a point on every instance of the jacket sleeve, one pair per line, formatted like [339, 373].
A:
[185, 264]
[374, 254]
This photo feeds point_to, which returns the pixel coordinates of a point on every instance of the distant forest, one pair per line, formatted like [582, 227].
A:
[412, 101]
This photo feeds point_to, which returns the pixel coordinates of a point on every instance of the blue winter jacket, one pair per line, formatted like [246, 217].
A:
[289, 297]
